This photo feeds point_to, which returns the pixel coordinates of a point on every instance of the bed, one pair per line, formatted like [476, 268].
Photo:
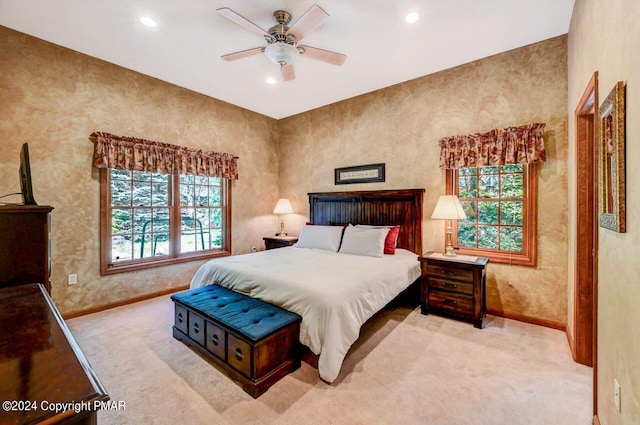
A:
[334, 292]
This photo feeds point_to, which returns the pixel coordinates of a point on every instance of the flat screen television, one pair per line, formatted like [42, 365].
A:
[25, 176]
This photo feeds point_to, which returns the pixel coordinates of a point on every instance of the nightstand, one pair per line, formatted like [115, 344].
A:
[454, 286]
[272, 242]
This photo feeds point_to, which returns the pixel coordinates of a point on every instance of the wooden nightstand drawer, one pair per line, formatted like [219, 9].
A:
[448, 272]
[459, 287]
[450, 302]
[454, 286]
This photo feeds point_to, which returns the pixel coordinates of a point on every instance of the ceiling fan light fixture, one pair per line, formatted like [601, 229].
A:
[282, 42]
[412, 17]
[148, 21]
[281, 53]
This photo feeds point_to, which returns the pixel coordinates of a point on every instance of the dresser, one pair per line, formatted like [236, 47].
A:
[45, 376]
[272, 242]
[24, 245]
[454, 286]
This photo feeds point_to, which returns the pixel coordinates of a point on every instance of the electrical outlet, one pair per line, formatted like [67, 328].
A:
[616, 395]
[254, 249]
[72, 279]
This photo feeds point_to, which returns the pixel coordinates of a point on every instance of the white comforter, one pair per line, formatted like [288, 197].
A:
[334, 293]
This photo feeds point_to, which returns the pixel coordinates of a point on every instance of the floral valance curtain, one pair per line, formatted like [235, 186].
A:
[512, 145]
[130, 153]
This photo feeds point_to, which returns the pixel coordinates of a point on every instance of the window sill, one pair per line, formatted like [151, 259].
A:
[131, 266]
[500, 257]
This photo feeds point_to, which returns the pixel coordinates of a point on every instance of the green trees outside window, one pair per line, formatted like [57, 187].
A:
[500, 203]
[158, 216]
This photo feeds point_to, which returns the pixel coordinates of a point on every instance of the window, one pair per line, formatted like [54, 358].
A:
[144, 225]
[500, 203]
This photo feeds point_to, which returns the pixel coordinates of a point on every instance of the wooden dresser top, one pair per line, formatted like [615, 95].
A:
[40, 361]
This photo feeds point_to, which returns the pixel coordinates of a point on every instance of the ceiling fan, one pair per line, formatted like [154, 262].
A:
[282, 41]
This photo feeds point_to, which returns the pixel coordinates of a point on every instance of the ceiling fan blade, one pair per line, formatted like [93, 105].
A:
[242, 54]
[288, 73]
[242, 21]
[323, 55]
[312, 19]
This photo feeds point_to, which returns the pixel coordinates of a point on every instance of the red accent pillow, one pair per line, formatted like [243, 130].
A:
[391, 240]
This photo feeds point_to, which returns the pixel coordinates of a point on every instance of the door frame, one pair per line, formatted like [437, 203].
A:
[585, 300]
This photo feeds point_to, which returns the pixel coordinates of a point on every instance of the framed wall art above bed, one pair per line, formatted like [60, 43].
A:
[371, 173]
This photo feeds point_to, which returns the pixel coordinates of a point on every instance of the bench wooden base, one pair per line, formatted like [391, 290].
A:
[253, 387]
[257, 362]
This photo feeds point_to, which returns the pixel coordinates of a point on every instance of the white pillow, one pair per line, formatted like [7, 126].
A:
[362, 241]
[320, 237]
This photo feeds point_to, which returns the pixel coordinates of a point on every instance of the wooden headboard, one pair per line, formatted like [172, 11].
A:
[375, 207]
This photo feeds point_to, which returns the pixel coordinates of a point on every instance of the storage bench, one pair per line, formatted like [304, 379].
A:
[251, 341]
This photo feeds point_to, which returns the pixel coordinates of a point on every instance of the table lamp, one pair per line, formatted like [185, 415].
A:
[449, 208]
[282, 207]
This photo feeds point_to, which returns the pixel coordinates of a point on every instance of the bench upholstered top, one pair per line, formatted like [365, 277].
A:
[251, 317]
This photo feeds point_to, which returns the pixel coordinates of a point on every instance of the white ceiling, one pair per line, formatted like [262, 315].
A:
[382, 50]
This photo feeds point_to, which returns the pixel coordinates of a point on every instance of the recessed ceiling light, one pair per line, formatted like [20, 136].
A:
[271, 80]
[148, 21]
[412, 17]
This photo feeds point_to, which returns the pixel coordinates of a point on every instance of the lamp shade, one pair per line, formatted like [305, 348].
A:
[448, 208]
[283, 207]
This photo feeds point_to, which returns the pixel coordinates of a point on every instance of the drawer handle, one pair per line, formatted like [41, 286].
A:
[196, 327]
[449, 302]
[450, 272]
[449, 285]
[214, 339]
[180, 318]
[239, 354]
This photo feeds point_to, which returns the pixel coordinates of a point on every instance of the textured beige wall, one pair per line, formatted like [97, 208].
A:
[604, 37]
[53, 98]
[401, 126]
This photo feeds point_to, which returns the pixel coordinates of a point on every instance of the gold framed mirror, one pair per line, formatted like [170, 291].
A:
[611, 161]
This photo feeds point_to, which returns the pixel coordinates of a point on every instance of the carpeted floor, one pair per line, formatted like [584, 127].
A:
[406, 369]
